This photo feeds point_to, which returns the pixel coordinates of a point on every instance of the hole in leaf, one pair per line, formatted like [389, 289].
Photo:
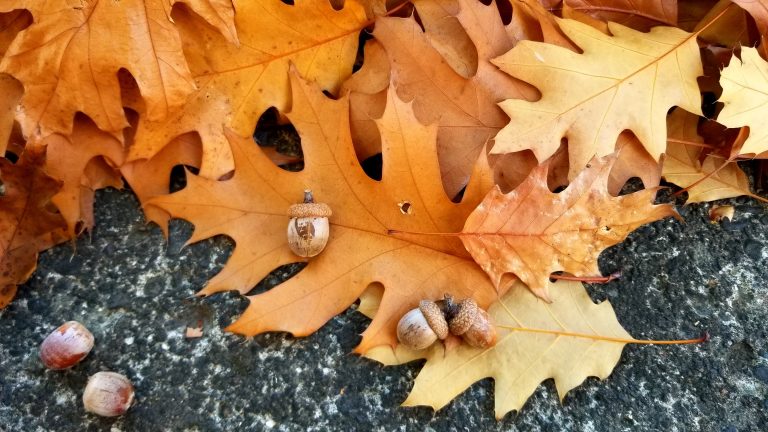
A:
[405, 207]
[505, 10]
[12, 157]
[279, 140]
[373, 166]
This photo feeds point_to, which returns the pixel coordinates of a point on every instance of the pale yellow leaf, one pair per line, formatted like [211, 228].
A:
[745, 95]
[521, 360]
[625, 81]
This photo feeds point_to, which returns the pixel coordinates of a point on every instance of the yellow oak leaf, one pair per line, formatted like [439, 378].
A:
[745, 96]
[251, 207]
[568, 340]
[625, 81]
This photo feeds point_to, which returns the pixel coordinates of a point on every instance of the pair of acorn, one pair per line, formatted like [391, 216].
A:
[107, 394]
[432, 320]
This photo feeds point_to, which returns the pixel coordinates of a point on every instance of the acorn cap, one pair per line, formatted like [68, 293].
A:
[435, 318]
[309, 210]
[464, 318]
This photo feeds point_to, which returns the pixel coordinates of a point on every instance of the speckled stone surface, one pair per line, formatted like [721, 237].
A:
[134, 291]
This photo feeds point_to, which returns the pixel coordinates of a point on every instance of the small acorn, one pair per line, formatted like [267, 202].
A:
[421, 327]
[469, 321]
[66, 346]
[308, 228]
[108, 394]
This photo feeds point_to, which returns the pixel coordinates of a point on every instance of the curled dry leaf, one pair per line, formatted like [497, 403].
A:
[705, 177]
[625, 81]
[719, 212]
[568, 340]
[27, 223]
[745, 95]
[532, 232]
[251, 208]
[69, 57]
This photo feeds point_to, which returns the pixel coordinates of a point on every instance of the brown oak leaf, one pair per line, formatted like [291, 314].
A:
[27, 223]
[532, 232]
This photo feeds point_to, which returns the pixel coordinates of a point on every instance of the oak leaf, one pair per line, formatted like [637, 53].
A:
[745, 96]
[27, 223]
[568, 340]
[10, 93]
[67, 160]
[638, 14]
[464, 108]
[704, 176]
[625, 81]
[759, 11]
[532, 232]
[251, 208]
[69, 57]
[236, 84]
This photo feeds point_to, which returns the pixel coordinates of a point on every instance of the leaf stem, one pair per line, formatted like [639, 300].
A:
[587, 279]
[703, 338]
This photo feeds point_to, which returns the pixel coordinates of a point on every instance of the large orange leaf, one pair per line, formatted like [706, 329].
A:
[27, 223]
[532, 232]
[625, 81]
[235, 85]
[251, 209]
[69, 57]
[464, 108]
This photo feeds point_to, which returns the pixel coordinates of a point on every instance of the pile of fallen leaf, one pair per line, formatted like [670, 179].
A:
[505, 131]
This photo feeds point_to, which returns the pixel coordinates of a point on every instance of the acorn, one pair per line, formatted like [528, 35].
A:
[469, 321]
[421, 327]
[308, 228]
[108, 394]
[66, 346]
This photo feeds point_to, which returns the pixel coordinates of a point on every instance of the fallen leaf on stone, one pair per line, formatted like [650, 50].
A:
[719, 212]
[532, 232]
[568, 340]
[28, 221]
[251, 209]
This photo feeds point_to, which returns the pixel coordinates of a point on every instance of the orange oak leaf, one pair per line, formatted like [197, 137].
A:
[367, 89]
[236, 84]
[10, 93]
[251, 206]
[464, 108]
[69, 57]
[67, 158]
[532, 232]
[150, 178]
[638, 14]
[27, 223]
